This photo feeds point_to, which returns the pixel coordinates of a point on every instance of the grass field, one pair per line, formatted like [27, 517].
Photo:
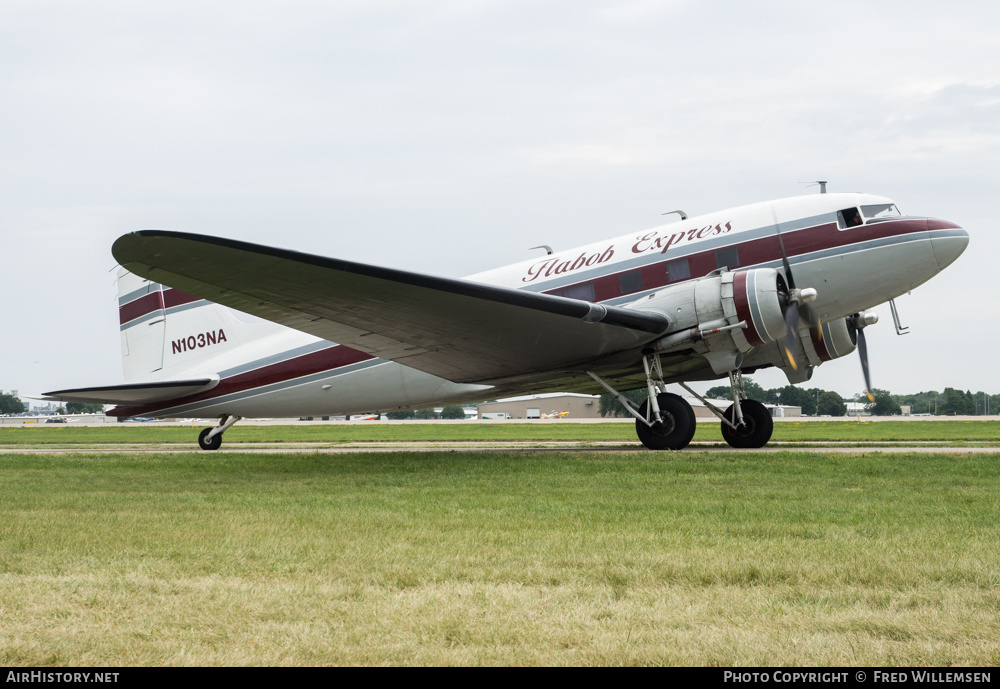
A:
[951, 432]
[504, 558]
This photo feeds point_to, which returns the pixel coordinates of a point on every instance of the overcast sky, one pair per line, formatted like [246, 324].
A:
[449, 137]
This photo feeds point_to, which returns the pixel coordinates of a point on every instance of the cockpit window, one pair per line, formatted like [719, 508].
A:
[849, 217]
[881, 210]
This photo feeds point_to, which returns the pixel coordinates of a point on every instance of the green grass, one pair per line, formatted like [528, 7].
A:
[500, 558]
[957, 432]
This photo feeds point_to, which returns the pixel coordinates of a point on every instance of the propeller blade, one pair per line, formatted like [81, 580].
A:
[791, 303]
[863, 351]
[784, 259]
[791, 332]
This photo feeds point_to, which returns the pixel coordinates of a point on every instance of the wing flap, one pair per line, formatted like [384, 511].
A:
[457, 329]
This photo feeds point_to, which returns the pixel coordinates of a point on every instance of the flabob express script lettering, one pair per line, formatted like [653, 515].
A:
[650, 241]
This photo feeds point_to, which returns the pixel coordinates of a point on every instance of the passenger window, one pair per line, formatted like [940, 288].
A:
[583, 291]
[849, 217]
[630, 281]
[678, 270]
[727, 258]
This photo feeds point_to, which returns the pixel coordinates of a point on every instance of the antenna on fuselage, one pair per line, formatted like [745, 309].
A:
[684, 216]
[820, 182]
[548, 249]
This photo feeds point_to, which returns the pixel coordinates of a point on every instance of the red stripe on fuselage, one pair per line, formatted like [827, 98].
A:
[174, 297]
[333, 357]
[763, 250]
[140, 307]
[154, 301]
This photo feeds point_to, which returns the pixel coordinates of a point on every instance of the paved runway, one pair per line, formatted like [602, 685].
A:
[492, 446]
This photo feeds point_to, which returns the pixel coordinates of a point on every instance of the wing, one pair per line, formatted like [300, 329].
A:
[134, 393]
[457, 329]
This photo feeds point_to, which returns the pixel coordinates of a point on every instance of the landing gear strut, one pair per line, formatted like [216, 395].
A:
[211, 438]
[665, 421]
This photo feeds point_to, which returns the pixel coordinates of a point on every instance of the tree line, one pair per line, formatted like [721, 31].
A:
[818, 402]
[12, 405]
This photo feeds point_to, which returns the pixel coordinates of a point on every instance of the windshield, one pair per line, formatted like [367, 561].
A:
[881, 210]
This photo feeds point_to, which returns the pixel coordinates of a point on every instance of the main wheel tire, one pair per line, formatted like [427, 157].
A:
[756, 430]
[206, 443]
[676, 427]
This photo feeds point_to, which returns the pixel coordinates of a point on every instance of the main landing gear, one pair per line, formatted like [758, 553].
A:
[755, 430]
[746, 423]
[675, 428]
[211, 438]
[666, 421]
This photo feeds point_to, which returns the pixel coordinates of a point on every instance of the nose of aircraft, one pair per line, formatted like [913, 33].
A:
[948, 244]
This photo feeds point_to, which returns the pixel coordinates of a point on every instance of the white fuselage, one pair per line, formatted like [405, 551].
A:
[269, 370]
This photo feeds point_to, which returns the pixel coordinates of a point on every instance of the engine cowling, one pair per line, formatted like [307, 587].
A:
[829, 341]
[723, 316]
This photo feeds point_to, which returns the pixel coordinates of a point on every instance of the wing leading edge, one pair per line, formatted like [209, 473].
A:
[460, 330]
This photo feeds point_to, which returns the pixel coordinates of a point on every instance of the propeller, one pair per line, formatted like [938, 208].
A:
[793, 298]
[859, 322]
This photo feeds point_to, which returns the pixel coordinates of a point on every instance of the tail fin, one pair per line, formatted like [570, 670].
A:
[168, 334]
[142, 323]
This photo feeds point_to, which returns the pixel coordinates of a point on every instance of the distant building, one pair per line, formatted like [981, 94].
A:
[858, 409]
[776, 410]
[565, 404]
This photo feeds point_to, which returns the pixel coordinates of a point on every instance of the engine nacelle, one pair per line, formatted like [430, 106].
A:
[722, 316]
[830, 341]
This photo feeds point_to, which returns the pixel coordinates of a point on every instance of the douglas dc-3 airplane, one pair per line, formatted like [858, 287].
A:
[213, 327]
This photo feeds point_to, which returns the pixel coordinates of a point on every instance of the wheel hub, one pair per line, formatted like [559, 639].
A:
[665, 426]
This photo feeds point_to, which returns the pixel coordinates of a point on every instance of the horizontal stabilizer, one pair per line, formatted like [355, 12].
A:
[134, 393]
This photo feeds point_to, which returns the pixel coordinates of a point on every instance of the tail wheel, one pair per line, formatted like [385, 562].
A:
[756, 429]
[676, 427]
[206, 443]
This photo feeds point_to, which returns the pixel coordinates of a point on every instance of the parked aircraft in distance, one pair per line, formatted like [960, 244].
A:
[214, 327]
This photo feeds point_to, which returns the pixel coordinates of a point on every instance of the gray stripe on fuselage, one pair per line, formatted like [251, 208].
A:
[141, 319]
[190, 305]
[277, 358]
[137, 294]
[167, 312]
[918, 235]
[267, 389]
